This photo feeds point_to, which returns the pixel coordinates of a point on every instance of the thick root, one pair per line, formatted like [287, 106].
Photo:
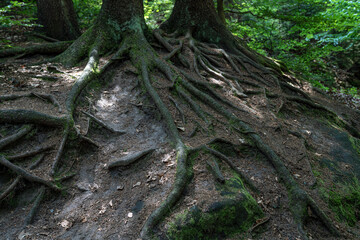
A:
[30, 153]
[47, 48]
[30, 217]
[215, 170]
[9, 189]
[103, 124]
[25, 174]
[29, 116]
[13, 138]
[42, 96]
[127, 160]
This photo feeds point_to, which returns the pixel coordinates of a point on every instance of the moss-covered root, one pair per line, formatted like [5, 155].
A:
[299, 203]
[141, 55]
[226, 218]
[88, 74]
[78, 50]
[299, 199]
[47, 48]
[224, 158]
[29, 116]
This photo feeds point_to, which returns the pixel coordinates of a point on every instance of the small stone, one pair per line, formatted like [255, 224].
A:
[65, 224]
[137, 184]
[83, 186]
[130, 214]
[120, 187]
[152, 185]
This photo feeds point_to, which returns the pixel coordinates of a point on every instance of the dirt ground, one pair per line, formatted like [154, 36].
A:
[113, 204]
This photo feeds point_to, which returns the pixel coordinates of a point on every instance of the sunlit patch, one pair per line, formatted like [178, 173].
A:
[216, 81]
[106, 102]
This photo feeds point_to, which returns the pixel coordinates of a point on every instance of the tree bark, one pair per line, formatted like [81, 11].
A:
[115, 20]
[202, 19]
[220, 10]
[122, 12]
[58, 18]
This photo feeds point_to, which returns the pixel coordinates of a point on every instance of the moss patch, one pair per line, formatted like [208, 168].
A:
[355, 144]
[234, 214]
[220, 220]
[346, 203]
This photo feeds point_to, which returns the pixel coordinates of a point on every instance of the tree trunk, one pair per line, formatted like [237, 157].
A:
[202, 19]
[58, 18]
[122, 12]
[220, 10]
[115, 18]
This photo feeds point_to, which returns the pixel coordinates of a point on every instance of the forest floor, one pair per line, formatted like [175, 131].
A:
[113, 204]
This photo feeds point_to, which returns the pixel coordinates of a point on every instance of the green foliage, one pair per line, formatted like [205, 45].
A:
[87, 11]
[155, 12]
[18, 13]
[304, 34]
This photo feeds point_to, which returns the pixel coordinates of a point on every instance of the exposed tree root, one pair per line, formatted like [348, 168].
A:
[215, 170]
[13, 138]
[27, 175]
[246, 180]
[47, 48]
[299, 199]
[194, 106]
[9, 189]
[29, 116]
[181, 177]
[30, 217]
[195, 91]
[12, 186]
[103, 124]
[42, 96]
[30, 153]
[129, 159]
[179, 109]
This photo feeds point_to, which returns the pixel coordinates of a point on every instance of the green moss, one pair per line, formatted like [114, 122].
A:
[355, 144]
[220, 220]
[346, 203]
[234, 214]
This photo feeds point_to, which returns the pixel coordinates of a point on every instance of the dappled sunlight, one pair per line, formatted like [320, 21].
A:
[106, 102]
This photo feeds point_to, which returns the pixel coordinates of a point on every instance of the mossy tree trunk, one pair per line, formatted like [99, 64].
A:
[58, 18]
[116, 19]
